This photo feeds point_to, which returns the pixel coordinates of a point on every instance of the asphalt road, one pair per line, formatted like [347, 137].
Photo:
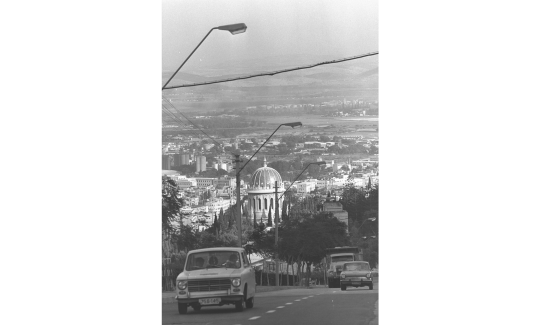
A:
[295, 306]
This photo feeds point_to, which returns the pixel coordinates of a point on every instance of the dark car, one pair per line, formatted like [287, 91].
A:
[356, 274]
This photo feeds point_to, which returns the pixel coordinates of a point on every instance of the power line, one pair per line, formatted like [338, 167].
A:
[195, 125]
[275, 72]
[169, 113]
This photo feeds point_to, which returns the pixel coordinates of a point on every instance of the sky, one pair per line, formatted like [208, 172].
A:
[331, 28]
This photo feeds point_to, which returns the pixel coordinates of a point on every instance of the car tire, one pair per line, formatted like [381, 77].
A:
[343, 288]
[182, 308]
[250, 302]
[240, 305]
[371, 286]
[196, 307]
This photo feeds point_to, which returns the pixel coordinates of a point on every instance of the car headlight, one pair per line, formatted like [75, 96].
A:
[369, 275]
[343, 276]
[236, 282]
[330, 272]
[181, 284]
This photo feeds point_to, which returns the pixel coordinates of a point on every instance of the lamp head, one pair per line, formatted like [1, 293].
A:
[293, 124]
[234, 28]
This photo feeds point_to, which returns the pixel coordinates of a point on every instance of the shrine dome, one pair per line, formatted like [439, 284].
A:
[264, 178]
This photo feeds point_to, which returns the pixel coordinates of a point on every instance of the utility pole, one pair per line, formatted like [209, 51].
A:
[238, 212]
[276, 223]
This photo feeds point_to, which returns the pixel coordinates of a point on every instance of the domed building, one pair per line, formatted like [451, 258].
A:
[261, 193]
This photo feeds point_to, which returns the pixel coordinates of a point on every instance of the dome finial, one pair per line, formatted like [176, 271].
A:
[264, 161]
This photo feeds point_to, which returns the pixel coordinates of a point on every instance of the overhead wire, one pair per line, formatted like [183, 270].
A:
[195, 125]
[173, 116]
[275, 72]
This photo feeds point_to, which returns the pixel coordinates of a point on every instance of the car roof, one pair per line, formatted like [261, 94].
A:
[353, 262]
[213, 249]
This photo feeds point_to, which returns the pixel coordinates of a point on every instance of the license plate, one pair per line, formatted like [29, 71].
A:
[209, 301]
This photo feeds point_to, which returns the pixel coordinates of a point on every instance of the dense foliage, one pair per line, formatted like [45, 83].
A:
[363, 208]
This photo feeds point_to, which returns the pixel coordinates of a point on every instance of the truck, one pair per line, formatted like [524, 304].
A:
[334, 260]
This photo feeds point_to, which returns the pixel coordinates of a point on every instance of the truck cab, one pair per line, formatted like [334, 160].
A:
[335, 258]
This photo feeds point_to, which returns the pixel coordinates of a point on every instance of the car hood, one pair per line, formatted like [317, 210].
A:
[209, 274]
[355, 273]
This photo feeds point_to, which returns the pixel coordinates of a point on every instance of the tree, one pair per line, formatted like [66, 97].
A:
[324, 138]
[254, 218]
[270, 217]
[222, 223]
[345, 168]
[305, 239]
[221, 172]
[283, 211]
[171, 202]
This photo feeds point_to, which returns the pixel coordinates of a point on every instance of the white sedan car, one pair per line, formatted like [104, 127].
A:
[216, 277]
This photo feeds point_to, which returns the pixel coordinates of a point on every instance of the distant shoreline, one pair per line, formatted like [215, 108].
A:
[357, 118]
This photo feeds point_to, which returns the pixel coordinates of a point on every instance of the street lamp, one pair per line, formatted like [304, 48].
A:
[233, 29]
[238, 170]
[313, 163]
[368, 219]
[277, 219]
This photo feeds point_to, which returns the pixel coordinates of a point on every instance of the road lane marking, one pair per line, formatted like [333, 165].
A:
[270, 311]
[310, 296]
[298, 300]
[252, 318]
[288, 303]
[305, 297]
[280, 307]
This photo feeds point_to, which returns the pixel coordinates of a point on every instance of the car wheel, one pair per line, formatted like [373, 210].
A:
[182, 308]
[343, 288]
[240, 305]
[371, 286]
[196, 307]
[250, 302]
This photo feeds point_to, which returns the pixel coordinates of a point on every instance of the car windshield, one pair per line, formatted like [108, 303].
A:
[344, 258]
[213, 259]
[356, 267]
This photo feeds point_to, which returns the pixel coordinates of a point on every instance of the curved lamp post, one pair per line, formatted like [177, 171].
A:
[314, 163]
[233, 29]
[237, 160]
[368, 219]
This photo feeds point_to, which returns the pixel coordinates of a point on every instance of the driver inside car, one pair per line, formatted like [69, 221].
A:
[233, 261]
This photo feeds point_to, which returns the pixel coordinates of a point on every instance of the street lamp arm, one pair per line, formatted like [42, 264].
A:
[174, 74]
[238, 173]
[296, 179]
[368, 219]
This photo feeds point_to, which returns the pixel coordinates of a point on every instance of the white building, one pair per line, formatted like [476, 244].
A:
[205, 182]
[215, 205]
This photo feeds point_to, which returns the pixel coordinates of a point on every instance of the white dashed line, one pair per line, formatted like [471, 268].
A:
[280, 307]
[252, 318]
[310, 296]
[298, 300]
[305, 297]
[288, 303]
[270, 311]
